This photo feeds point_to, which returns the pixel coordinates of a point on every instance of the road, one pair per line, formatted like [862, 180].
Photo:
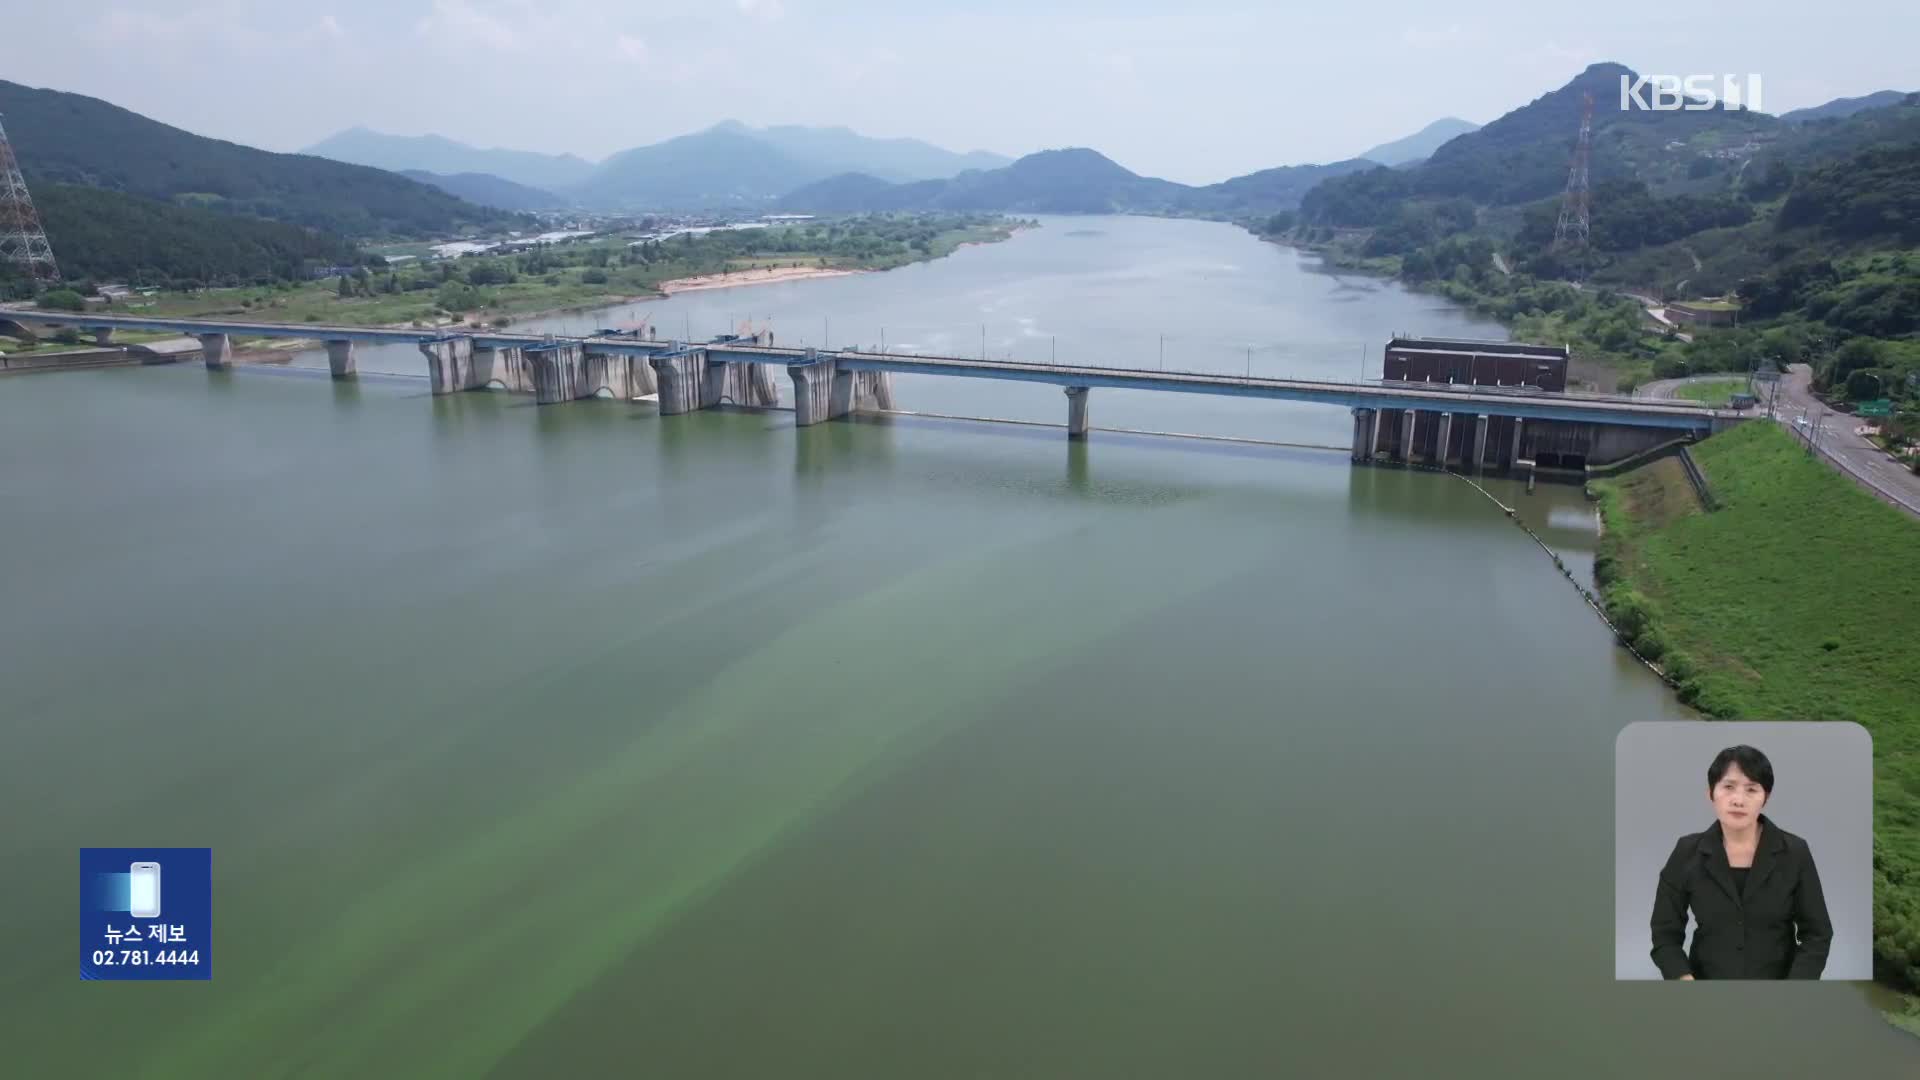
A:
[1850, 453]
[1864, 461]
[1657, 311]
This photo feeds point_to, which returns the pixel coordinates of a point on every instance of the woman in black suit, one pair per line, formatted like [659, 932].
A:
[1751, 885]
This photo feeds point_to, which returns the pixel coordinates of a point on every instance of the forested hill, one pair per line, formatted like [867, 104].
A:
[109, 236]
[1523, 155]
[1812, 229]
[73, 139]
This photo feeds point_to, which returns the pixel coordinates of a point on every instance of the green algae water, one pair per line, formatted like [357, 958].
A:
[578, 741]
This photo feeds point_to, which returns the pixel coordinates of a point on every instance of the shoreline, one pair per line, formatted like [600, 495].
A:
[759, 276]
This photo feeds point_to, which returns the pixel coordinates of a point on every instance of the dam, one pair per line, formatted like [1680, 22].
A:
[1442, 424]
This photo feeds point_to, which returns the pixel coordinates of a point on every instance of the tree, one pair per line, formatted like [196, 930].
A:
[62, 300]
[346, 287]
[1865, 385]
[457, 296]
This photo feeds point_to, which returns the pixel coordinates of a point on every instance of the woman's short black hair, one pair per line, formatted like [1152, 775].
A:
[1751, 761]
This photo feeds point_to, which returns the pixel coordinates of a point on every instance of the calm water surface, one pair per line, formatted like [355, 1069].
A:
[578, 741]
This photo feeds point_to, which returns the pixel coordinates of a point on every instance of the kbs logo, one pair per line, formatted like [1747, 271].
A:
[1691, 93]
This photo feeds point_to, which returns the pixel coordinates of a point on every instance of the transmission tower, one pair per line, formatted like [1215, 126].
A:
[1571, 230]
[22, 240]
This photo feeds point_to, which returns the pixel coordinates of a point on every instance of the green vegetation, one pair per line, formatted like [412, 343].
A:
[1794, 601]
[107, 236]
[1814, 226]
[72, 139]
[1715, 392]
[493, 288]
[63, 300]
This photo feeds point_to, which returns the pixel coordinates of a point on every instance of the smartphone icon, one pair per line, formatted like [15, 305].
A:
[143, 892]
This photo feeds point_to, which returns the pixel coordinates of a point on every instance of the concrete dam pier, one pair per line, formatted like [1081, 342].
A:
[1480, 406]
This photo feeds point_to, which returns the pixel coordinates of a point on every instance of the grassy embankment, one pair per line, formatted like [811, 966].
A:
[1715, 392]
[1796, 600]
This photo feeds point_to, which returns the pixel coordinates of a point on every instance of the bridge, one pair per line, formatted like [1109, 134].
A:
[1435, 423]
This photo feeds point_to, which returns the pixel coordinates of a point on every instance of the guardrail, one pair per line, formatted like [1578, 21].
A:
[1698, 479]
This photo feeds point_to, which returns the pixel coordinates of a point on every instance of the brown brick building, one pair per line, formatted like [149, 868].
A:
[1476, 363]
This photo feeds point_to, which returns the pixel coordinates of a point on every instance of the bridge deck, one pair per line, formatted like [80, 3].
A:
[1379, 394]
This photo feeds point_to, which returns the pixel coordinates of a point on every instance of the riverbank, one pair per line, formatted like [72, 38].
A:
[1613, 350]
[760, 275]
[1793, 600]
[611, 271]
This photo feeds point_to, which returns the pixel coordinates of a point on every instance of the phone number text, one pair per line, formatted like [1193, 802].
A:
[142, 957]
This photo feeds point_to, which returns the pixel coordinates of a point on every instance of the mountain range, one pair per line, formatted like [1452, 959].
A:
[487, 189]
[1421, 144]
[168, 184]
[443, 156]
[1843, 107]
[1069, 181]
[727, 165]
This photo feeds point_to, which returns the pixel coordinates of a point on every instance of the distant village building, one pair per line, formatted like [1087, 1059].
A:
[1704, 313]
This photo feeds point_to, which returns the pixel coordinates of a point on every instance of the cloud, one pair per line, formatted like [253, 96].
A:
[628, 47]
[767, 10]
[460, 23]
[1450, 36]
[330, 27]
[215, 23]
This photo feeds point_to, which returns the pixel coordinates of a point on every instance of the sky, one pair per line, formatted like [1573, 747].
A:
[1194, 91]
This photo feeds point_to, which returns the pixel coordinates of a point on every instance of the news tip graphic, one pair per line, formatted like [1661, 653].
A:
[146, 914]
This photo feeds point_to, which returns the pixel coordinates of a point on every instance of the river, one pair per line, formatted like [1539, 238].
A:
[579, 741]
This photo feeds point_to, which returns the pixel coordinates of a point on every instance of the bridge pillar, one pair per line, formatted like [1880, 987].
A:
[216, 350]
[737, 383]
[1443, 434]
[812, 392]
[1404, 453]
[623, 375]
[558, 373]
[873, 390]
[681, 377]
[340, 359]
[1076, 412]
[1479, 459]
[449, 363]
[1365, 424]
[508, 367]
[1513, 453]
[841, 397]
[103, 336]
